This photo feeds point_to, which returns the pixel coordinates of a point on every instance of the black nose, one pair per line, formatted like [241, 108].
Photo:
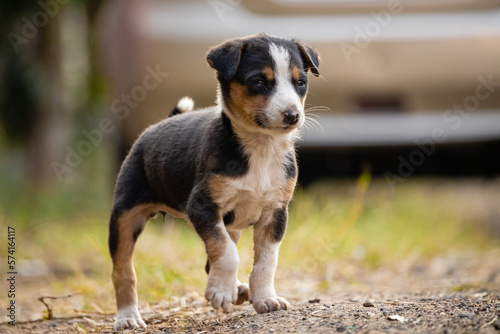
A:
[290, 117]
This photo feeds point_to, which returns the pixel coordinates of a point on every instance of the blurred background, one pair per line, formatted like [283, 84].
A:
[400, 163]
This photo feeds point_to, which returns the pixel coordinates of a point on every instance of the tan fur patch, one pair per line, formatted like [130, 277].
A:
[268, 73]
[217, 186]
[235, 235]
[215, 246]
[289, 188]
[243, 105]
[295, 73]
[124, 278]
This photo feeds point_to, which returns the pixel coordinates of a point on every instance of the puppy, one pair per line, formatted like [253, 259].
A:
[223, 168]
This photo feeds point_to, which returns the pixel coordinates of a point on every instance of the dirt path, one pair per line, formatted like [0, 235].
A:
[447, 295]
[440, 313]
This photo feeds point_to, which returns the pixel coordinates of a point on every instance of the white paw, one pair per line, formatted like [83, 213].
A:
[243, 292]
[221, 295]
[270, 304]
[128, 317]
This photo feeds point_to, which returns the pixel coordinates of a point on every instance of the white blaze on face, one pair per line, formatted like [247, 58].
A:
[285, 96]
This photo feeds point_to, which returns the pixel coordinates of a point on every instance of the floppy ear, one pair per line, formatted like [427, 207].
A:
[225, 58]
[309, 57]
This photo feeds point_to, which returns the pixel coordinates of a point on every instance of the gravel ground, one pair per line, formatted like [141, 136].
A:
[456, 312]
[455, 294]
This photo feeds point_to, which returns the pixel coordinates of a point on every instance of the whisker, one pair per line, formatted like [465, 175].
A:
[315, 126]
[314, 123]
[313, 115]
[318, 108]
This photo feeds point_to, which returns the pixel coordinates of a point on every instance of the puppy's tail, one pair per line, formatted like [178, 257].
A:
[186, 104]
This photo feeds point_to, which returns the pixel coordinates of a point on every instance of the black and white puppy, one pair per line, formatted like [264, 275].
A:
[223, 168]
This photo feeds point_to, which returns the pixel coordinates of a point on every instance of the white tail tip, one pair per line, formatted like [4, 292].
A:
[186, 104]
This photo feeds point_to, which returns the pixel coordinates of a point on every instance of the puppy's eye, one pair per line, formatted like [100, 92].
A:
[259, 82]
[301, 83]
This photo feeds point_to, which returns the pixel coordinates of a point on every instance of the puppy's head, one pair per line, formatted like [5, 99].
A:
[263, 81]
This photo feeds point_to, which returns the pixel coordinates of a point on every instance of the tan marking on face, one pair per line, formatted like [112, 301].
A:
[295, 73]
[268, 73]
[244, 106]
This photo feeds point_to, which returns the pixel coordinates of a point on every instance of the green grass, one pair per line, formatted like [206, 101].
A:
[332, 221]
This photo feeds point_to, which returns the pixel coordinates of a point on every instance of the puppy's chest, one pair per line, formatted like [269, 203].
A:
[265, 186]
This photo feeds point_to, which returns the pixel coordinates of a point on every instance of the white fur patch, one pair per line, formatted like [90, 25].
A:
[186, 104]
[128, 317]
[261, 188]
[262, 294]
[222, 284]
[262, 276]
[285, 96]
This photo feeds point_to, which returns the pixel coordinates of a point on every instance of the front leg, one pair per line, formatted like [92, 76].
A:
[268, 233]
[243, 289]
[223, 259]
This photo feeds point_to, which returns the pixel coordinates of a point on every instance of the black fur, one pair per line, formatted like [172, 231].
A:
[229, 218]
[309, 57]
[137, 232]
[175, 111]
[225, 58]
[202, 212]
[278, 225]
[113, 235]
[175, 161]
[207, 267]
[291, 165]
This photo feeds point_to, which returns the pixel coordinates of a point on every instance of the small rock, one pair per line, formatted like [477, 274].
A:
[396, 318]
[340, 329]
[368, 304]
[496, 325]
[315, 300]
[467, 315]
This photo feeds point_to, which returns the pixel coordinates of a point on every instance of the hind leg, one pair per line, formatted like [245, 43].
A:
[124, 229]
